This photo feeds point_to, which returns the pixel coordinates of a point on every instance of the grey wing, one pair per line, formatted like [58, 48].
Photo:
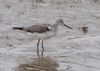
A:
[37, 28]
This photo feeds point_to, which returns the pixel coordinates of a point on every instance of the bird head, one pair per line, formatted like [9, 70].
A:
[61, 22]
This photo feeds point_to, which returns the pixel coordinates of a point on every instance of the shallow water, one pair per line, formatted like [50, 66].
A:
[72, 50]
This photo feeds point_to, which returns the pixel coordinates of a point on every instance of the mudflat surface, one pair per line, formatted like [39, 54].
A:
[73, 50]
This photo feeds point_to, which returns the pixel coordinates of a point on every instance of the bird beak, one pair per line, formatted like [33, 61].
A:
[68, 26]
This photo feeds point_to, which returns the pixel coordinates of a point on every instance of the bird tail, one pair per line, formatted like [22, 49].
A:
[18, 28]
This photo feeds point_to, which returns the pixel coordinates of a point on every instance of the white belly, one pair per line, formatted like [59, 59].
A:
[44, 35]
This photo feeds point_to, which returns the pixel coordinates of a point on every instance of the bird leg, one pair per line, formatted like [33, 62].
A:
[42, 49]
[38, 47]
[40, 56]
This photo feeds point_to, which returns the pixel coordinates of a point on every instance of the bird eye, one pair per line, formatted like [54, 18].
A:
[61, 21]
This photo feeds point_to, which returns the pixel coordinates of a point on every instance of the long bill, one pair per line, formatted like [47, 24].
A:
[68, 26]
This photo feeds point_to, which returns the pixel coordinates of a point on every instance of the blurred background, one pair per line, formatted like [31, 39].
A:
[70, 50]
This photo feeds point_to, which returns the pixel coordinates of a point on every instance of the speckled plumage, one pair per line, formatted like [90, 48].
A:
[38, 28]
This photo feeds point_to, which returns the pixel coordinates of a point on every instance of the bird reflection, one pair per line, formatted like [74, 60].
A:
[48, 64]
[40, 56]
[40, 63]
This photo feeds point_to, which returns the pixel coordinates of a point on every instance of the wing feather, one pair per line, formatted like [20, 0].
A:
[38, 28]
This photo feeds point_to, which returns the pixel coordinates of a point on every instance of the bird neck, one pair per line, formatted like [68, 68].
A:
[56, 25]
